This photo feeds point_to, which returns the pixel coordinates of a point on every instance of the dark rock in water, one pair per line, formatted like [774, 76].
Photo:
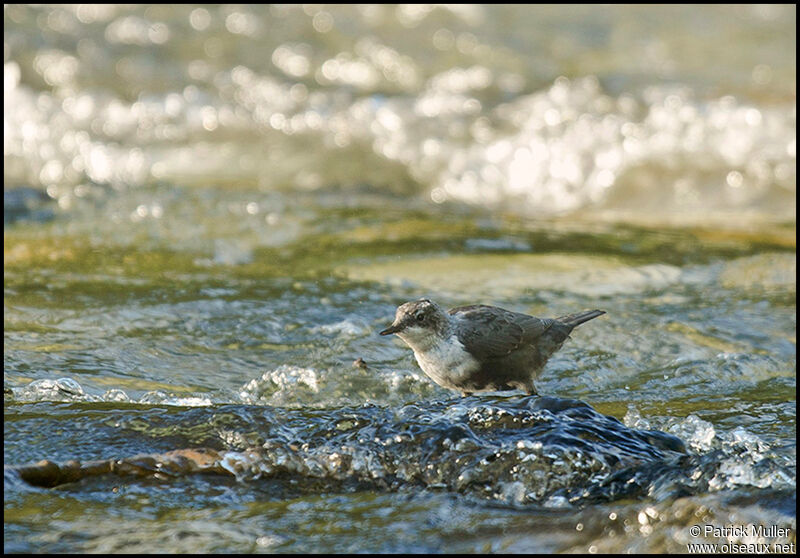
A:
[508, 450]
[514, 450]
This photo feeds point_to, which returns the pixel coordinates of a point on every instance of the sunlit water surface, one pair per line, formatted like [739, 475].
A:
[211, 211]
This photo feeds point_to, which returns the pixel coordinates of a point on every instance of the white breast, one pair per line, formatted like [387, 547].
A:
[446, 362]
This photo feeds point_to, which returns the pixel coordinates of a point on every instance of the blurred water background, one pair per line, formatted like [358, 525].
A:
[210, 211]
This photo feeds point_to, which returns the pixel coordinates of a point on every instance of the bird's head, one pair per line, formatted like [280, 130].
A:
[419, 320]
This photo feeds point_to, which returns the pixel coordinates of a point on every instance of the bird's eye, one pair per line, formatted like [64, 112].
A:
[420, 316]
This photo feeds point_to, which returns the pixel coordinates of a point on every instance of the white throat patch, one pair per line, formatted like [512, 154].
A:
[445, 361]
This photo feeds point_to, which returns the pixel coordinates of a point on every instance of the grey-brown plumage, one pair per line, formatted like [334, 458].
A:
[479, 347]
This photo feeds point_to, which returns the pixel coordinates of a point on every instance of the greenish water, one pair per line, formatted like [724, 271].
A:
[210, 212]
[699, 342]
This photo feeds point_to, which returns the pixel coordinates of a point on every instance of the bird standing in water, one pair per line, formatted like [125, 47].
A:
[479, 347]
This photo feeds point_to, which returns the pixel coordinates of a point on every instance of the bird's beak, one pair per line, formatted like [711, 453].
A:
[394, 328]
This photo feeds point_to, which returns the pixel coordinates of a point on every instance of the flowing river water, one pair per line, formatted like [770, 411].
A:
[210, 212]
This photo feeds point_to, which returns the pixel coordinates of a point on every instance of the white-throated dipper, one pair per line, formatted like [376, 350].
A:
[479, 347]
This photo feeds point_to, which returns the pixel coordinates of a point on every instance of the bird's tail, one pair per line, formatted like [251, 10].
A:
[574, 320]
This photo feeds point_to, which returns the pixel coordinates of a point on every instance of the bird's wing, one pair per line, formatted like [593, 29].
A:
[495, 332]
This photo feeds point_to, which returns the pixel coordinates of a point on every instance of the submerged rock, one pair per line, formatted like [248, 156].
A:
[515, 451]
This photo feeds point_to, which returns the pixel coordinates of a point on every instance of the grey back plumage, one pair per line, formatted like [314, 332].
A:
[495, 332]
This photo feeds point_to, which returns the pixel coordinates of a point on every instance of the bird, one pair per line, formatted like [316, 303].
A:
[479, 347]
